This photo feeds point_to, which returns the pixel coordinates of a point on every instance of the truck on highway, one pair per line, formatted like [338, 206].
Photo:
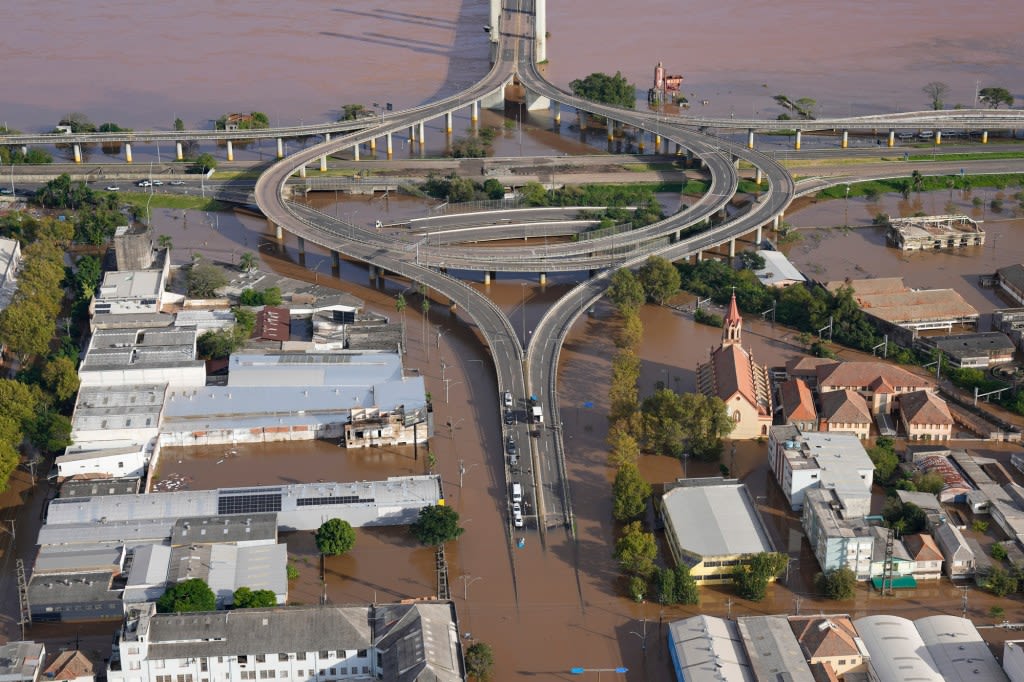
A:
[537, 414]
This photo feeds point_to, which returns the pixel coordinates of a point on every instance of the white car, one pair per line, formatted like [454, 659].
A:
[517, 515]
[112, 188]
[143, 183]
[177, 182]
[157, 183]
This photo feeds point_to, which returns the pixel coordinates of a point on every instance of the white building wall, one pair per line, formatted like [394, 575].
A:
[191, 376]
[115, 465]
[315, 666]
[1013, 660]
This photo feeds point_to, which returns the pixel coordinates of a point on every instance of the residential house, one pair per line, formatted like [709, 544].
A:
[957, 555]
[70, 666]
[21, 661]
[903, 563]
[743, 385]
[797, 405]
[836, 530]
[831, 640]
[925, 554]
[845, 410]
[925, 416]
[878, 382]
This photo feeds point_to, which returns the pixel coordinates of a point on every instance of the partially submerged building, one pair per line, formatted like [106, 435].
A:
[894, 306]
[801, 461]
[924, 233]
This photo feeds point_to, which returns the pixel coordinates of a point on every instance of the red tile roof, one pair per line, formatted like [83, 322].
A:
[922, 547]
[845, 407]
[69, 665]
[879, 377]
[734, 374]
[273, 324]
[925, 408]
[797, 401]
[825, 636]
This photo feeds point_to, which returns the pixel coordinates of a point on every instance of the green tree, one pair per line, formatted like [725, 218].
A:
[247, 262]
[994, 97]
[334, 537]
[479, 661]
[752, 577]
[624, 447]
[203, 280]
[534, 194]
[629, 493]
[246, 598]
[60, 376]
[600, 87]
[78, 122]
[626, 291]
[350, 112]
[839, 583]
[998, 551]
[164, 241]
[87, 276]
[936, 91]
[904, 517]
[884, 457]
[674, 423]
[751, 260]
[9, 458]
[203, 163]
[179, 125]
[400, 306]
[665, 582]
[436, 525]
[636, 587]
[687, 591]
[999, 582]
[631, 332]
[659, 278]
[636, 551]
[494, 189]
[186, 597]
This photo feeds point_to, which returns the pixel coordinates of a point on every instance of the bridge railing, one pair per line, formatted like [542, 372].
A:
[449, 208]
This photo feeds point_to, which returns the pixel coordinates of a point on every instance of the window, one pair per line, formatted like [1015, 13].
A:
[361, 653]
[343, 670]
[261, 658]
[283, 673]
[842, 661]
[334, 671]
[204, 665]
[325, 654]
[243, 659]
[283, 658]
[164, 678]
[267, 674]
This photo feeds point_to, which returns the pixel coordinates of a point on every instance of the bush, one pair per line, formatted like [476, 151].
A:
[188, 596]
[999, 551]
[334, 537]
[839, 584]
[708, 318]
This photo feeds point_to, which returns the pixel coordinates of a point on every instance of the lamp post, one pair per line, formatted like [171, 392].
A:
[846, 208]
[463, 470]
[643, 637]
[452, 427]
[467, 580]
[447, 382]
[523, 285]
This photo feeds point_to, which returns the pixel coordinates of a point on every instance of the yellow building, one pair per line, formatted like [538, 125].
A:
[712, 526]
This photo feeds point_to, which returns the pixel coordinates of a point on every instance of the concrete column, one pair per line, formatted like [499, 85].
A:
[127, 152]
[583, 119]
[796, 142]
[278, 233]
[323, 163]
[327, 137]
[679, 149]
[611, 130]
[700, 256]
[891, 142]
[373, 145]
[179, 153]
[335, 261]
[355, 152]
[757, 175]
[938, 137]
[474, 111]
[758, 236]
[487, 278]
[984, 137]
[280, 148]
[846, 139]
[448, 123]
[657, 143]
[24, 150]
[78, 152]
[775, 222]
[231, 151]
[412, 134]
[372, 272]
[750, 139]
[732, 248]
[390, 148]
[557, 109]
[452, 305]
[543, 279]
[302, 247]
[423, 133]
[302, 171]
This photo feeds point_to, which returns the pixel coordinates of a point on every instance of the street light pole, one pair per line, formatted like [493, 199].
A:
[467, 580]
[846, 207]
[523, 285]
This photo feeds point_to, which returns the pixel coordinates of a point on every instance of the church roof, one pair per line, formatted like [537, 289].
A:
[733, 316]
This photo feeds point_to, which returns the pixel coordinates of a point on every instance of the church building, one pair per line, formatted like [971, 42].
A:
[743, 385]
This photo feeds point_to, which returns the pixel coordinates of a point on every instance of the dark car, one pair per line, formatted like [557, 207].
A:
[510, 417]
[510, 446]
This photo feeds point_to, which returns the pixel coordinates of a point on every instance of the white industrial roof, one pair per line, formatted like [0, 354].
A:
[958, 649]
[346, 368]
[131, 284]
[777, 268]
[898, 654]
[709, 648]
[726, 521]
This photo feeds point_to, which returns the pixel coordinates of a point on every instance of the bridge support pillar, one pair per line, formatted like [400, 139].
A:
[556, 109]
[78, 152]
[355, 152]
[757, 176]
[891, 141]
[591, 273]
[938, 137]
[750, 138]
[127, 152]
[732, 248]
[179, 153]
[323, 163]
[582, 116]
[474, 111]
[776, 222]
[302, 247]
[452, 306]
[487, 278]
[412, 135]
[611, 130]
[700, 256]
[657, 143]
[335, 262]
[423, 133]
[846, 139]
[448, 122]
[372, 271]
[280, 148]
[302, 171]
[640, 141]
[679, 149]
[796, 142]
[230, 150]
[984, 137]
[278, 232]
[390, 146]
[758, 236]
[543, 279]
[373, 145]
[24, 150]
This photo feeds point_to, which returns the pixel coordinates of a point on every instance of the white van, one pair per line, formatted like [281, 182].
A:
[517, 493]
[507, 400]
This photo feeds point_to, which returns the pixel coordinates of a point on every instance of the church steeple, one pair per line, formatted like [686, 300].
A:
[732, 325]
